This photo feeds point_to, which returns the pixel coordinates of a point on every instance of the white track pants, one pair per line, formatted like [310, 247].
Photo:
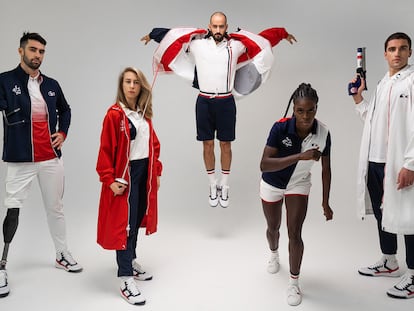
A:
[50, 175]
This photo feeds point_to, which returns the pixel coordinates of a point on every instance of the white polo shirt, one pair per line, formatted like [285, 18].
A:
[139, 145]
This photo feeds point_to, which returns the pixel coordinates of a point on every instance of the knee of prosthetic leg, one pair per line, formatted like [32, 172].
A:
[10, 224]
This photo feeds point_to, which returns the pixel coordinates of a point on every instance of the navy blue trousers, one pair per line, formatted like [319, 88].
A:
[387, 240]
[137, 209]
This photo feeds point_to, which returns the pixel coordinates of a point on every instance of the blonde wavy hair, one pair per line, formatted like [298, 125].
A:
[144, 100]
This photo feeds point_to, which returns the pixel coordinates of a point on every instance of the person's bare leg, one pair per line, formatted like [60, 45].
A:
[226, 155]
[273, 215]
[296, 207]
[208, 155]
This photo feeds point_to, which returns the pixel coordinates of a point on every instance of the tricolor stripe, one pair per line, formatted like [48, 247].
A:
[172, 45]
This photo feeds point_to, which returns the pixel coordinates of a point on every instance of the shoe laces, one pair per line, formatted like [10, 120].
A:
[406, 281]
[293, 290]
[213, 191]
[383, 263]
[67, 256]
[131, 287]
[137, 267]
[224, 192]
[377, 265]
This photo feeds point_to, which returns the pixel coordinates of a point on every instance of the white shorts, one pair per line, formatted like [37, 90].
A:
[271, 194]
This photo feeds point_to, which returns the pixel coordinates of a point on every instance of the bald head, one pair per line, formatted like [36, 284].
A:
[218, 14]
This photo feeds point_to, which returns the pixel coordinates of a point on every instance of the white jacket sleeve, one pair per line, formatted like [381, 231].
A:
[362, 109]
[409, 152]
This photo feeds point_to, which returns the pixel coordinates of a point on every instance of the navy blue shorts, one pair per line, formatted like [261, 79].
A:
[216, 114]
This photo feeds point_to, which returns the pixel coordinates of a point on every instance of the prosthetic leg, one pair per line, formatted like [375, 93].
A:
[9, 229]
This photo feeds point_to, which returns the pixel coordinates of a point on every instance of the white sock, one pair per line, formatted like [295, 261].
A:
[211, 176]
[224, 181]
[294, 279]
[389, 257]
[274, 256]
[124, 278]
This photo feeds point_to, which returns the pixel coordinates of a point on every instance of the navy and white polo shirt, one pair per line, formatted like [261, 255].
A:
[283, 137]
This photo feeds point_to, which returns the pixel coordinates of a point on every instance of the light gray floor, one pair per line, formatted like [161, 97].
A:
[202, 259]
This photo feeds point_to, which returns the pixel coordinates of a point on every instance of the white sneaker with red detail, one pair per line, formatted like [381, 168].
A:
[139, 273]
[294, 296]
[404, 288]
[64, 260]
[383, 267]
[131, 293]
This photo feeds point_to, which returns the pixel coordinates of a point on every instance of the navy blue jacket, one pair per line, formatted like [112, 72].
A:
[16, 107]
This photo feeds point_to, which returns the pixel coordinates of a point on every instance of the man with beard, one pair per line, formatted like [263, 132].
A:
[36, 119]
[216, 56]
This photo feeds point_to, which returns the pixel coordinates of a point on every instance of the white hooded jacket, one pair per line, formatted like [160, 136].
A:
[398, 205]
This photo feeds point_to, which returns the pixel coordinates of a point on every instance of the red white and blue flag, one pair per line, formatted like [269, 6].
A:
[253, 66]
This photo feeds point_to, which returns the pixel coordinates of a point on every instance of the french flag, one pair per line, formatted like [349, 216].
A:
[253, 66]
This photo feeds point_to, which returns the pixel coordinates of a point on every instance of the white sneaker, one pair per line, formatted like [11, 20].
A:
[213, 196]
[383, 267]
[130, 292]
[4, 284]
[139, 273]
[294, 296]
[273, 263]
[404, 288]
[224, 196]
[64, 260]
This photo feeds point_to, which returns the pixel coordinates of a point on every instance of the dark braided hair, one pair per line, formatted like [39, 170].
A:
[304, 90]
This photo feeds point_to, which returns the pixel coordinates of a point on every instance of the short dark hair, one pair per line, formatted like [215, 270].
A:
[31, 36]
[397, 35]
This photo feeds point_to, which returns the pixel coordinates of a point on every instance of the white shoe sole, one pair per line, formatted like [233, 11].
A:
[143, 277]
[213, 203]
[393, 274]
[139, 303]
[4, 292]
[59, 266]
[273, 270]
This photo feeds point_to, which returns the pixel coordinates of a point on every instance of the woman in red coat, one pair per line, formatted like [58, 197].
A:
[130, 171]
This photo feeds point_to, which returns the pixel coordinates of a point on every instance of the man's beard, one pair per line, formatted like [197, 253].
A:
[218, 37]
[30, 64]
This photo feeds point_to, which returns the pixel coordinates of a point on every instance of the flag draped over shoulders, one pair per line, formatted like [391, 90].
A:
[253, 66]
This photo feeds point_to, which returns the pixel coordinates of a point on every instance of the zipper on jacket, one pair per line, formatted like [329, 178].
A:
[125, 120]
[150, 169]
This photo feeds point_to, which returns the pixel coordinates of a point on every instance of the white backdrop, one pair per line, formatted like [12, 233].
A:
[90, 42]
